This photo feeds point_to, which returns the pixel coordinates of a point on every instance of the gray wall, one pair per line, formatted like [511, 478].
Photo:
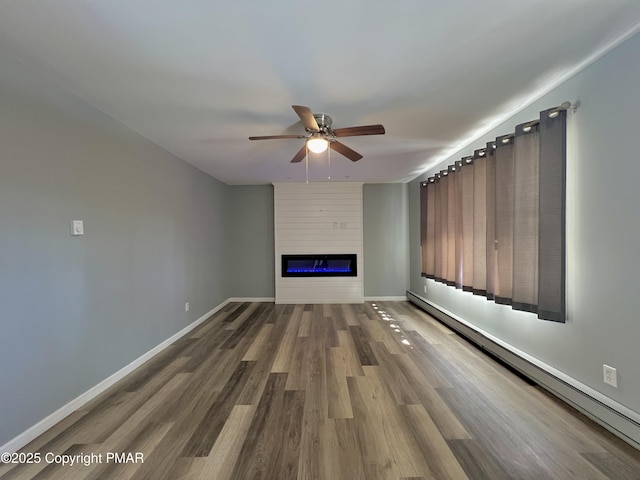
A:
[251, 248]
[603, 235]
[386, 239]
[158, 233]
[74, 310]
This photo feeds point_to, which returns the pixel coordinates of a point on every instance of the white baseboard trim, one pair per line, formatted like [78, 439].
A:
[615, 417]
[43, 425]
[402, 298]
[251, 299]
[315, 301]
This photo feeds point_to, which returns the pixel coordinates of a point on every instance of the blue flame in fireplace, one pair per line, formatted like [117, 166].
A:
[316, 266]
[319, 265]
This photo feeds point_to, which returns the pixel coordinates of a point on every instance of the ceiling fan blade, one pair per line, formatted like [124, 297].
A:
[342, 149]
[361, 130]
[300, 155]
[271, 137]
[307, 117]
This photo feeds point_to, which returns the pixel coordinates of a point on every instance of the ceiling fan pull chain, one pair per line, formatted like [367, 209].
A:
[306, 162]
[329, 161]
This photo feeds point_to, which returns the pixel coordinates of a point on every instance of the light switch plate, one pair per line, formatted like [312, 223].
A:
[77, 227]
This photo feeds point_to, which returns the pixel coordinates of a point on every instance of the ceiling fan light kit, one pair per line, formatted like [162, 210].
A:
[317, 144]
[320, 135]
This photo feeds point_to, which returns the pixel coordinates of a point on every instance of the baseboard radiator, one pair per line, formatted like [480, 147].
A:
[616, 418]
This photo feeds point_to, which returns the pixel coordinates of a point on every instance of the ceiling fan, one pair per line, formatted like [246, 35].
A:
[320, 135]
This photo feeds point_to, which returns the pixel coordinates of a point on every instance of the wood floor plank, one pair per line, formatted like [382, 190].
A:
[499, 430]
[351, 361]
[297, 379]
[441, 460]
[143, 443]
[369, 391]
[339, 403]
[222, 459]
[305, 323]
[393, 378]
[205, 349]
[258, 378]
[611, 467]
[313, 442]
[284, 355]
[363, 348]
[254, 350]
[284, 447]
[375, 459]
[331, 338]
[237, 310]
[406, 458]
[414, 359]
[252, 461]
[346, 459]
[477, 462]
[430, 331]
[377, 435]
[337, 313]
[203, 438]
[245, 327]
[383, 332]
[575, 466]
[350, 316]
[187, 468]
[448, 424]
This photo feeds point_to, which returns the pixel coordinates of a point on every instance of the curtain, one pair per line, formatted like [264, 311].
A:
[525, 218]
[490, 195]
[494, 223]
[504, 218]
[479, 222]
[551, 231]
[467, 194]
[424, 227]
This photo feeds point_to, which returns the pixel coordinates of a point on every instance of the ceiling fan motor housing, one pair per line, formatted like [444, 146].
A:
[324, 122]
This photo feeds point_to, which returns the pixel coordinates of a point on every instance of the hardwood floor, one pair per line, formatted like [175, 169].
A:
[373, 391]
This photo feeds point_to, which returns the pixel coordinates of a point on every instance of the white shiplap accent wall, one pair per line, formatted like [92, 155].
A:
[324, 217]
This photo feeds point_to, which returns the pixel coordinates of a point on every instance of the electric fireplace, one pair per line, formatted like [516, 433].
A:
[322, 265]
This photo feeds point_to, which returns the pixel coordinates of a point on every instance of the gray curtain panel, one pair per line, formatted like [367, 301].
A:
[467, 194]
[525, 218]
[491, 257]
[551, 233]
[479, 223]
[504, 218]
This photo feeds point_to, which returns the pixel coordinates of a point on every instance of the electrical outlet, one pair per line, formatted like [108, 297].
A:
[186, 307]
[610, 376]
[425, 289]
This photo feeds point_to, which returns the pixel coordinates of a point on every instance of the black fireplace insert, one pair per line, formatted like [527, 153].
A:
[320, 265]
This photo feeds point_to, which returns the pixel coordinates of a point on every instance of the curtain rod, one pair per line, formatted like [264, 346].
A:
[552, 113]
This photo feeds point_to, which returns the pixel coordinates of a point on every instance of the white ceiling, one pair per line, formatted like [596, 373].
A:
[198, 77]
